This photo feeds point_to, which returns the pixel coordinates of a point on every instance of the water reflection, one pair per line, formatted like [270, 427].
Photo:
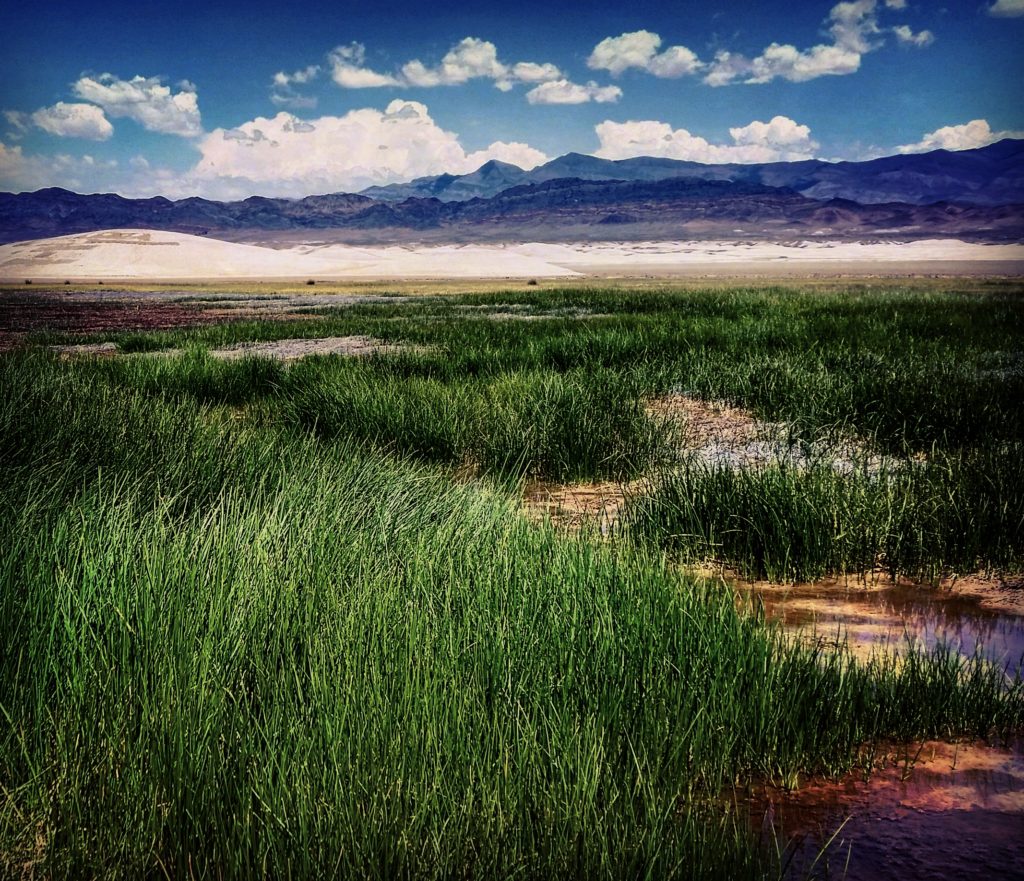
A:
[970, 615]
[937, 811]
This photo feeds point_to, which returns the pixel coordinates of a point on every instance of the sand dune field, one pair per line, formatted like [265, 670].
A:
[152, 255]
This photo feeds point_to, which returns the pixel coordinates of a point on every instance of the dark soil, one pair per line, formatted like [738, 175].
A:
[42, 310]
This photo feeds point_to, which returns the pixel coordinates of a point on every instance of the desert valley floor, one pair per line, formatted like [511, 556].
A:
[145, 255]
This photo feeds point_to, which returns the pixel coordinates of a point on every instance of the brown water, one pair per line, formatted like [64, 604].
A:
[937, 811]
[984, 615]
[934, 811]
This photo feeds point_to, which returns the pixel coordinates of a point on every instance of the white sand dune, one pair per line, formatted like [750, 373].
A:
[126, 254]
[439, 261]
[637, 254]
[120, 254]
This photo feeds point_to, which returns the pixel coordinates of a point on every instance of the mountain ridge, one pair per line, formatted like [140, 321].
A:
[577, 195]
[978, 176]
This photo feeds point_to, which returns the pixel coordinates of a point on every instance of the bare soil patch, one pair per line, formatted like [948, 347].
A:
[292, 349]
[86, 350]
[722, 435]
[99, 311]
[698, 423]
[693, 425]
[714, 432]
[576, 506]
[21, 314]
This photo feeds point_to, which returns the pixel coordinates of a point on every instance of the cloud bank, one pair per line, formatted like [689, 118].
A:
[853, 29]
[146, 100]
[20, 171]
[1007, 9]
[779, 139]
[285, 156]
[976, 133]
[280, 155]
[469, 59]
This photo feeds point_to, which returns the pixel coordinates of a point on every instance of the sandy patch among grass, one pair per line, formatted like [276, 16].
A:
[293, 349]
[709, 429]
[86, 350]
[357, 346]
[576, 506]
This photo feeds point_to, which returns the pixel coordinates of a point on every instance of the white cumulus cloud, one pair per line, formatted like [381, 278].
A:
[674, 62]
[976, 133]
[284, 156]
[639, 49]
[73, 121]
[283, 92]
[146, 100]
[785, 61]
[853, 24]
[565, 92]
[21, 172]
[1007, 8]
[908, 38]
[469, 59]
[514, 152]
[532, 72]
[779, 132]
[854, 30]
[780, 139]
[303, 76]
[280, 155]
[348, 69]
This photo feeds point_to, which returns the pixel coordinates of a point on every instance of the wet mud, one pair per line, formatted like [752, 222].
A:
[100, 311]
[976, 614]
[928, 811]
[940, 811]
[22, 314]
[712, 432]
[578, 506]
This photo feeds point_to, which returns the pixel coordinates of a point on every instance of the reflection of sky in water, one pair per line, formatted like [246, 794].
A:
[950, 812]
[888, 617]
[945, 812]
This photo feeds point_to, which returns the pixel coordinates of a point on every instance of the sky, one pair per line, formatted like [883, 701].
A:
[231, 99]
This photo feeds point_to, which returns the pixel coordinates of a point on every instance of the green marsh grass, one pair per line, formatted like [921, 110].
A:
[908, 369]
[539, 423]
[249, 628]
[236, 650]
[938, 377]
[958, 511]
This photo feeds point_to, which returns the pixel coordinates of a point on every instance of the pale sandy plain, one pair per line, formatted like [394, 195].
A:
[155, 255]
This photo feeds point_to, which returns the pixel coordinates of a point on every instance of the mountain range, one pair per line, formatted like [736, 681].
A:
[976, 194]
[992, 175]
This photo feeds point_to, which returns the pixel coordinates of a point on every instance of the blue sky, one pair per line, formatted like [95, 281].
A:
[230, 99]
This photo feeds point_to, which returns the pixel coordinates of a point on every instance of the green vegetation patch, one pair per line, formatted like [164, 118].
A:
[250, 628]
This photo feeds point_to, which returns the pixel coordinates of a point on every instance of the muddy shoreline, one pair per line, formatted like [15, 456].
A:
[935, 810]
